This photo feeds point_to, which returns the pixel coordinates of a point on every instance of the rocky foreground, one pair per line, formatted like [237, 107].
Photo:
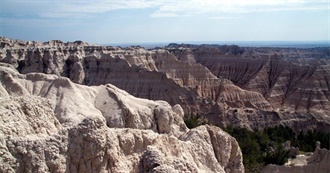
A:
[50, 124]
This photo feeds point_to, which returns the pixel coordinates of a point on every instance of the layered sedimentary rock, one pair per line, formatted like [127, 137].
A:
[294, 81]
[285, 81]
[250, 87]
[49, 124]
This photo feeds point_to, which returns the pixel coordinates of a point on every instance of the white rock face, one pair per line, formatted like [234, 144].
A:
[22, 116]
[49, 124]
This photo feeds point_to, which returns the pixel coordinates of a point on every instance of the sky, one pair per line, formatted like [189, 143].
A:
[142, 21]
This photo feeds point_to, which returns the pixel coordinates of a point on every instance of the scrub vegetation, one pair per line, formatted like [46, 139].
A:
[262, 147]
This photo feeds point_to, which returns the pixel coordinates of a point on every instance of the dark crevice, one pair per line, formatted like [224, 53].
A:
[68, 65]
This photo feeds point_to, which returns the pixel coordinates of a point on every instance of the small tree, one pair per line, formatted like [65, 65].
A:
[279, 156]
[194, 121]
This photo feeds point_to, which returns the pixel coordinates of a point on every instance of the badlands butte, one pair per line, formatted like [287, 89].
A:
[226, 85]
[75, 107]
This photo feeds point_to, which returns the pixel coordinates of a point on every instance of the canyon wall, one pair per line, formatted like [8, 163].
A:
[251, 87]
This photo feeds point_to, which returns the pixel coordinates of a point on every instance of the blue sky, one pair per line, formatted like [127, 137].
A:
[134, 21]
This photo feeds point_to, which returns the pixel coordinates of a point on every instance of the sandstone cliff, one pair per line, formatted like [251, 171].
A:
[49, 124]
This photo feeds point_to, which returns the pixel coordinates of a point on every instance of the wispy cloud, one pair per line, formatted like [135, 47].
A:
[225, 18]
[85, 8]
[156, 20]
[162, 8]
[71, 8]
[196, 7]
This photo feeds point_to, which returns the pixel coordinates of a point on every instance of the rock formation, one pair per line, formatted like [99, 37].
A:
[299, 84]
[248, 87]
[294, 81]
[318, 162]
[293, 151]
[50, 124]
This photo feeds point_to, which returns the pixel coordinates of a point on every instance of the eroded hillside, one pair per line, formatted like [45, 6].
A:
[248, 87]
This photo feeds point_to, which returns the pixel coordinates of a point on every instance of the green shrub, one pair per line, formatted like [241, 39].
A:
[262, 147]
[193, 121]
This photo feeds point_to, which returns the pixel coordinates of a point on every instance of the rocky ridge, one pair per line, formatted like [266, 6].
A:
[253, 88]
[50, 124]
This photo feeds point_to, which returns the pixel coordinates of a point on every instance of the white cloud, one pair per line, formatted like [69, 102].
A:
[164, 14]
[195, 7]
[224, 17]
[85, 8]
[163, 8]
[71, 8]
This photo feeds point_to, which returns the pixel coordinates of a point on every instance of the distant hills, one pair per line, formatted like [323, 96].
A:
[281, 44]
